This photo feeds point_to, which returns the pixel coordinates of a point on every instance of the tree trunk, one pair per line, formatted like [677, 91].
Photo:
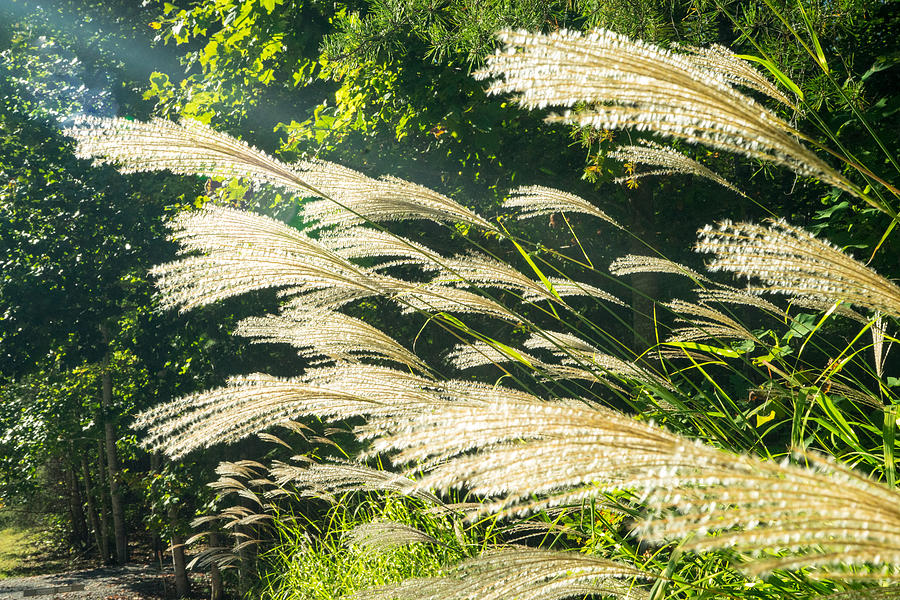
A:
[112, 462]
[216, 586]
[182, 584]
[645, 286]
[76, 510]
[104, 503]
[159, 549]
[92, 506]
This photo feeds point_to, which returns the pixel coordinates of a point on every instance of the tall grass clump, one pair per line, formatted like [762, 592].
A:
[359, 544]
[748, 452]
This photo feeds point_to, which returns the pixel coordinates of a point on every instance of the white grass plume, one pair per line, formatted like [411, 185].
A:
[702, 323]
[561, 344]
[382, 199]
[244, 252]
[579, 450]
[534, 201]
[253, 403]
[575, 353]
[789, 260]
[825, 306]
[440, 296]
[568, 287]
[186, 148]
[386, 535]
[523, 573]
[335, 478]
[328, 333]
[480, 270]
[668, 160]
[635, 263]
[631, 84]
[730, 295]
[826, 514]
[192, 148]
[479, 353]
[366, 242]
[736, 71]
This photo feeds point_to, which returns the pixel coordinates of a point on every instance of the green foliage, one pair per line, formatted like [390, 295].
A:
[315, 560]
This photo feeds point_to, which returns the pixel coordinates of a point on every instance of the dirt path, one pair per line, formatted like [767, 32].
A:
[131, 582]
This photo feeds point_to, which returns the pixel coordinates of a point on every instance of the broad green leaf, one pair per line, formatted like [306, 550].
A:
[846, 432]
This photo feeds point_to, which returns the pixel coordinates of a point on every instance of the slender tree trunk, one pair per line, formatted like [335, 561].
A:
[159, 549]
[112, 462]
[76, 509]
[104, 503]
[92, 506]
[216, 585]
[182, 584]
[645, 286]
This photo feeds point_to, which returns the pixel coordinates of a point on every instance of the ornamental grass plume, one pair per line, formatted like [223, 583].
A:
[623, 83]
[192, 148]
[669, 162]
[337, 477]
[704, 323]
[385, 535]
[824, 514]
[243, 252]
[789, 260]
[253, 403]
[736, 71]
[534, 201]
[479, 354]
[186, 148]
[635, 263]
[334, 335]
[520, 572]
[486, 272]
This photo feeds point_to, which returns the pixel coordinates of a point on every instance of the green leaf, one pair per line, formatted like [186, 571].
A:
[535, 268]
[834, 414]
[888, 438]
[820, 56]
[511, 352]
[775, 71]
[725, 352]
[882, 63]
